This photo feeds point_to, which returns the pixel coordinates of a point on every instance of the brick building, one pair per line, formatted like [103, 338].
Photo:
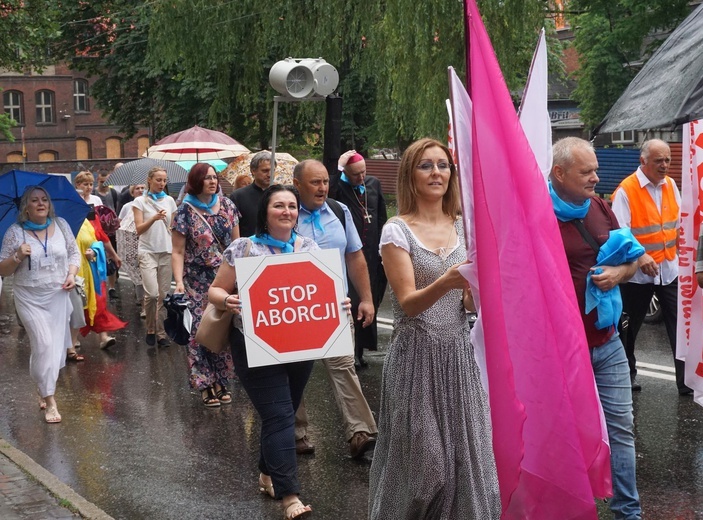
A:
[62, 126]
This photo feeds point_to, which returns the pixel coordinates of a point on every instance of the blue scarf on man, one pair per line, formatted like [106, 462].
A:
[566, 211]
[359, 187]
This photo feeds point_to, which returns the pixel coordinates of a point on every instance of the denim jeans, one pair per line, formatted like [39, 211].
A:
[612, 376]
[275, 391]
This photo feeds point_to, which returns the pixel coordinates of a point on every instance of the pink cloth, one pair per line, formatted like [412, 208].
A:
[548, 429]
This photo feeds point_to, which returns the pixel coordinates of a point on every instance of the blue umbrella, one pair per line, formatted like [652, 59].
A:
[64, 197]
[218, 164]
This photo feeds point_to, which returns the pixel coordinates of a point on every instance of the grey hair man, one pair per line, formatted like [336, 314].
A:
[247, 199]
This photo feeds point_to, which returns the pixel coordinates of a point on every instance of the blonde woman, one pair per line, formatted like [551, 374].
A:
[39, 250]
[153, 214]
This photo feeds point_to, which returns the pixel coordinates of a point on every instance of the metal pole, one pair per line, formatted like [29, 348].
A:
[273, 140]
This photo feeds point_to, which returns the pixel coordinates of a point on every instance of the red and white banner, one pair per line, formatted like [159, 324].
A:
[689, 341]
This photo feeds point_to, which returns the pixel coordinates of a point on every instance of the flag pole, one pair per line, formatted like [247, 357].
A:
[467, 40]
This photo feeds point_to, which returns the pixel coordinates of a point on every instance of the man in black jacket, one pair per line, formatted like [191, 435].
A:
[247, 199]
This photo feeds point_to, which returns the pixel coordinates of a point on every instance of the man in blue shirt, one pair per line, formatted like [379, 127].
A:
[318, 221]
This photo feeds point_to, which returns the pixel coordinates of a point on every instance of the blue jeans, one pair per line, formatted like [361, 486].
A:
[612, 375]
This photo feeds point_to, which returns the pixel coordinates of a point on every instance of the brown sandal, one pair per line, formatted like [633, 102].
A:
[210, 400]
[75, 357]
[296, 511]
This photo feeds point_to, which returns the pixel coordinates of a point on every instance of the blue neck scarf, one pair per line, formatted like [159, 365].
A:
[314, 219]
[566, 211]
[195, 201]
[156, 196]
[268, 240]
[360, 187]
[31, 226]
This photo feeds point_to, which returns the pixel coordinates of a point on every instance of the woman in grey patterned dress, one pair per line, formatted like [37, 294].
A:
[434, 455]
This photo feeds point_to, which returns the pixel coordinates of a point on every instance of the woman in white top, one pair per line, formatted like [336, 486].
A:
[153, 213]
[128, 244]
[41, 252]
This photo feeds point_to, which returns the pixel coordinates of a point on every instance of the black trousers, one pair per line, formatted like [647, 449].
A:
[635, 301]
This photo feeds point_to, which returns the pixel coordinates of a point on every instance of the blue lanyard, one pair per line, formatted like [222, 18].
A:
[46, 241]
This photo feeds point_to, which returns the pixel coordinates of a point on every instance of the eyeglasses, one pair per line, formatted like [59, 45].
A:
[428, 167]
[211, 177]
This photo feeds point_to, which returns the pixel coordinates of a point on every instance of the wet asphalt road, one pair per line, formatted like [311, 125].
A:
[136, 441]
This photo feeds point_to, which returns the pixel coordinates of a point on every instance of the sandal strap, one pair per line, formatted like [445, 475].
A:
[293, 507]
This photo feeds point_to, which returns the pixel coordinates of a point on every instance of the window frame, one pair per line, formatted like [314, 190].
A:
[619, 137]
[9, 108]
[45, 109]
[77, 96]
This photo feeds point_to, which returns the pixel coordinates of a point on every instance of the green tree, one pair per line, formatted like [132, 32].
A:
[613, 40]
[109, 40]
[27, 29]
[392, 58]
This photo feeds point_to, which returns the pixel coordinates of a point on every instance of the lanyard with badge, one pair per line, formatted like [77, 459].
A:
[46, 261]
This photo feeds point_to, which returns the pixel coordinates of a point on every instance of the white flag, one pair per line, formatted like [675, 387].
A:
[533, 113]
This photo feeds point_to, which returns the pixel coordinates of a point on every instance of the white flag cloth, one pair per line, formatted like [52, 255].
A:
[534, 115]
[689, 336]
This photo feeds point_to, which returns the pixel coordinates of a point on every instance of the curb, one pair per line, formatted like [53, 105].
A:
[54, 485]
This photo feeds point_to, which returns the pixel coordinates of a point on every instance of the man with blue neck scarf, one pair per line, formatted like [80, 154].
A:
[585, 223]
[318, 221]
[363, 195]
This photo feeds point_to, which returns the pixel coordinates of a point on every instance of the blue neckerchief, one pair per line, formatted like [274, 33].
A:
[620, 248]
[566, 211]
[359, 187]
[99, 267]
[314, 218]
[195, 201]
[156, 196]
[31, 226]
[268, 240]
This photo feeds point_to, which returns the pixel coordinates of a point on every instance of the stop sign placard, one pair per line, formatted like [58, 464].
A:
[292, 307]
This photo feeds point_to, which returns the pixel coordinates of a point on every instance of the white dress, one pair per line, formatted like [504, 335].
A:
[42, 305]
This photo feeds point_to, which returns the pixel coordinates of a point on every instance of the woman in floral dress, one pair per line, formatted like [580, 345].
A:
[203, 227]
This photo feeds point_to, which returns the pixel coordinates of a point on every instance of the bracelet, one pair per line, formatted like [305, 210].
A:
[225, 300]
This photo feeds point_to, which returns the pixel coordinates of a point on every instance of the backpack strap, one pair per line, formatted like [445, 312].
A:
[338, 211]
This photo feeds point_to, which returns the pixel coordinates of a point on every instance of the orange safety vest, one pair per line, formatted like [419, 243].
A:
[655, 231]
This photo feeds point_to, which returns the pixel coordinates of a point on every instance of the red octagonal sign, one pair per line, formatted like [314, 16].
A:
[294, 307]
[291, 307]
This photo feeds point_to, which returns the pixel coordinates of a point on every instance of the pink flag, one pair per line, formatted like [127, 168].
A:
[689, 340]
[548, 429]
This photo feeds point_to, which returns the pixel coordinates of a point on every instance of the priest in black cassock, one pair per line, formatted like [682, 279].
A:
[364, 198]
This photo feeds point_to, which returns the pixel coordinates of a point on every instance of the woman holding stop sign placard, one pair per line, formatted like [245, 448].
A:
[275, 390]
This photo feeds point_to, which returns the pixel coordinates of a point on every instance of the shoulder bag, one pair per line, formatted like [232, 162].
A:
[215, 325]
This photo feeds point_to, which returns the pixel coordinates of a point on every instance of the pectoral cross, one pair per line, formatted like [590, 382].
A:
[367, 218]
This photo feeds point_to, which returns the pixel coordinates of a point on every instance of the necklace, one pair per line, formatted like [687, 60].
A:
[444, 252]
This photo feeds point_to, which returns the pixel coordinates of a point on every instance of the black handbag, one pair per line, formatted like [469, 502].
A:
[176, 306]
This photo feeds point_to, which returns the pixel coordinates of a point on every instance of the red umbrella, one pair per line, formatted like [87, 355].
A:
[196, 144]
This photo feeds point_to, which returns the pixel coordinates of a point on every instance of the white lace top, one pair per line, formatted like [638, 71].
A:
[47, 268]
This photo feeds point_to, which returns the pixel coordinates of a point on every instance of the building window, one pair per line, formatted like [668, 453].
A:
[625, 137]
[12, 101]
[14, 157]
[45, 107]
[113, 148]
[83, 149]
[48, 155]
[80, 96]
